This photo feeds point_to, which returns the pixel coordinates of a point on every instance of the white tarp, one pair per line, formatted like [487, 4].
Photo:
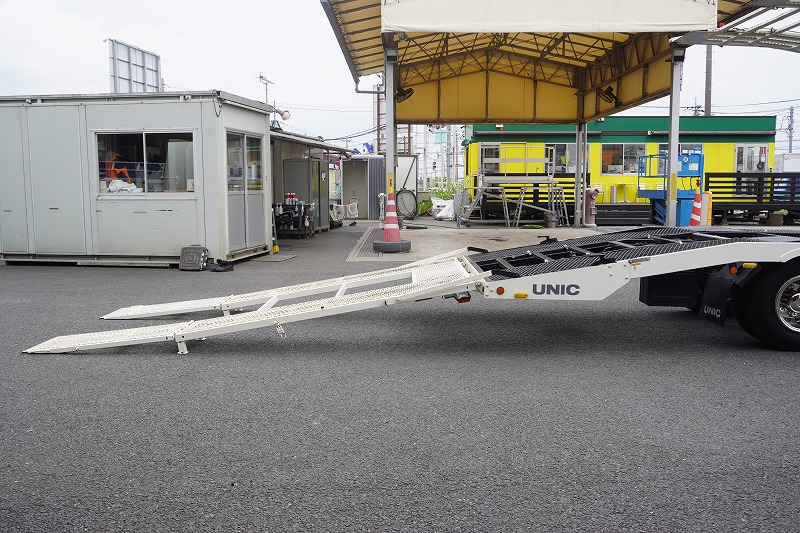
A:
[547, 16]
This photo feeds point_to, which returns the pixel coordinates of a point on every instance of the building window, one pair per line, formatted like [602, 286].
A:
[751, 158]
[682, 148]
[136, 163]
[244, 162]
[489, 158]
[565, 157]
[253, 164]
[235, 162]
[621, 158]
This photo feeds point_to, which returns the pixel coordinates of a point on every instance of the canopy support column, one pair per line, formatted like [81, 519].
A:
[580, 172]
[678, 55]
[390, 62]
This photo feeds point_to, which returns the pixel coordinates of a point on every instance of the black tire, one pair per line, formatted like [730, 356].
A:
[772, 306]
[406, 203]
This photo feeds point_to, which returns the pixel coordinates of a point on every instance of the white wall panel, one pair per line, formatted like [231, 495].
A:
[13, 204]
[56, 180]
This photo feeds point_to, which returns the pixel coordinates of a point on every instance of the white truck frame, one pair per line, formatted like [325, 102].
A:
[751, 273]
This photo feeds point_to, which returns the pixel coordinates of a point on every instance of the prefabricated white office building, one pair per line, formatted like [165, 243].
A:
[134, 177]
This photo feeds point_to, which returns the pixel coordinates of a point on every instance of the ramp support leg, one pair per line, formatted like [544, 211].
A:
[182, 349]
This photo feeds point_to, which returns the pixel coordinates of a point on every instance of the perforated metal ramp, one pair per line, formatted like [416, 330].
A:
[583, 252]
[107, 339]
[424, 279]
[242, 301]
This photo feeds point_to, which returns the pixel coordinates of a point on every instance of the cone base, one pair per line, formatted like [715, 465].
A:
[391, 246]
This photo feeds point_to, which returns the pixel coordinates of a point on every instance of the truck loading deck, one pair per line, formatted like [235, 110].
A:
[752, 274]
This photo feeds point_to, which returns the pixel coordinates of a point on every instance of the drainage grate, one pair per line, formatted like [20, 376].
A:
[364, 246]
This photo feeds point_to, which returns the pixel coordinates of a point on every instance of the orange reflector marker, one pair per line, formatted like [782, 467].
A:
[520, 295]
[733, 270]
[500, 290]
[749, 265]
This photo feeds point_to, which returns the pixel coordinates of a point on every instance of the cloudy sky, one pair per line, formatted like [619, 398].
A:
[57, 46]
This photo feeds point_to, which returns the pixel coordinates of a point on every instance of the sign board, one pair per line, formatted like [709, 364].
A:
[133, 70]
[548, 16]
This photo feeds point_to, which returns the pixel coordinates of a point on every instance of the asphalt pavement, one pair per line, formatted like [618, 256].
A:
[433, 416]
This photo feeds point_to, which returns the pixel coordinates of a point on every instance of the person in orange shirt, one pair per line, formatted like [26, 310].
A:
[111, 169]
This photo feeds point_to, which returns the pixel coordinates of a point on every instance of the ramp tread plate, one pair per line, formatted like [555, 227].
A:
[171, 308]
[748, 234]
[647, 250]
[570, 263]
[254, 298]
[559, 245]
[430, 276]
[257, 297]
[100, 339]
[443, 274]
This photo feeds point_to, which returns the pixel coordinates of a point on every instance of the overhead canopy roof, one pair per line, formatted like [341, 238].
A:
[592, 62]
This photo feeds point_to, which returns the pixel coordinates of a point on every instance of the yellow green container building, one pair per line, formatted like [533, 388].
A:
[730, 145]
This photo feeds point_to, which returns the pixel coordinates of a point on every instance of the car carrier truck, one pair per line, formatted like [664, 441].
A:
[751, 273]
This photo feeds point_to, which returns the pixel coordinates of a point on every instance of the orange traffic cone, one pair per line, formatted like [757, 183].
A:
[391, 230]
[694, 220]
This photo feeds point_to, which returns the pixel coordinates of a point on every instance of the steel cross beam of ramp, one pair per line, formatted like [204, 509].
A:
[240, 301]
[424, 279]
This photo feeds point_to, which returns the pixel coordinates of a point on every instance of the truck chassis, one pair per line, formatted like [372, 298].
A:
[752, 274]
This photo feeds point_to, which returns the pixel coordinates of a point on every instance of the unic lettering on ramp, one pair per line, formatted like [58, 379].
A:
[424, 279]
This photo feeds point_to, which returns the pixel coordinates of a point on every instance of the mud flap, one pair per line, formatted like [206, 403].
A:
[717, 292]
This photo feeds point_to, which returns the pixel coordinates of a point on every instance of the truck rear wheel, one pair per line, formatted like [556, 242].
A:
[740, 303]
[772, 306]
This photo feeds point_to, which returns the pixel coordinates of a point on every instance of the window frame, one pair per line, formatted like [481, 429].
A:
[570, 156]
[245, 149]
[626, 168]
[97, 133]
[745, 147]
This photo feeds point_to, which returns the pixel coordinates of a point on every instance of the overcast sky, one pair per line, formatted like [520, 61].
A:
[56, 47]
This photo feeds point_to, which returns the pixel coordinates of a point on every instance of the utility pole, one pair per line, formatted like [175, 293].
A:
[425, 157]
[448, 165]
[709, 53]
[266, 83]
[791, 127]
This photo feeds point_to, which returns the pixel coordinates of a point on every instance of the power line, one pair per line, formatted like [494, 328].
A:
[728, 105]
[358, 134]
[758, 112]
[759, 103]
[325, 109]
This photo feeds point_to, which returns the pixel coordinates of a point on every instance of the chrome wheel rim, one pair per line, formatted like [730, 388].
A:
[787, 304]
